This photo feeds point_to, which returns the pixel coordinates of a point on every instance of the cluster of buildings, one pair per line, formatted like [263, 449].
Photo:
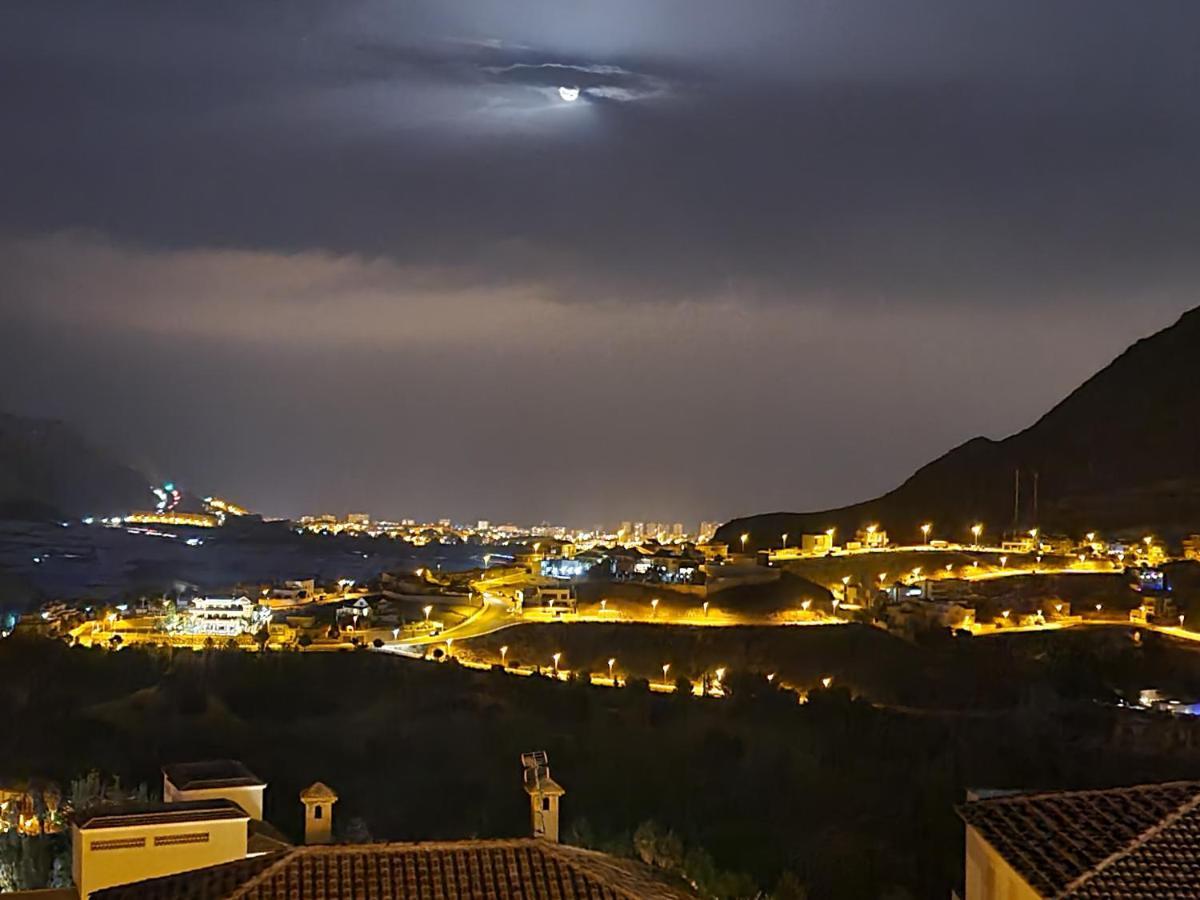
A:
[445, 531]
[208, 838]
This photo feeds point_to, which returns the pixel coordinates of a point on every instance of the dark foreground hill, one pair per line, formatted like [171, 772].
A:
[1120, 454]
[47, 470]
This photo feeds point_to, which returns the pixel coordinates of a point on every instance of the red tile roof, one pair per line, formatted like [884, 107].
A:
[1122, 842]
[524, 869]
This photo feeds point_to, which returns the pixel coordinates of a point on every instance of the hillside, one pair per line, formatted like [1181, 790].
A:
[47, 470]
[1120, 454]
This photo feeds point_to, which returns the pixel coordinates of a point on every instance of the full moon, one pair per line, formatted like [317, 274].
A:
[570, 94]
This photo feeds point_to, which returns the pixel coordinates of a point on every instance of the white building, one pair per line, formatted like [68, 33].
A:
[227, 616]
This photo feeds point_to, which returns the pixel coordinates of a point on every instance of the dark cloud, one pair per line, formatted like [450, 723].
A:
[732, 185]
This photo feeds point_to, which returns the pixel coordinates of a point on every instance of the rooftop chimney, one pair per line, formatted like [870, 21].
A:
[543, 793]
[318, 800]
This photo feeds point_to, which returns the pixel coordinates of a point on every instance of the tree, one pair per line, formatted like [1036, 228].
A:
[261, 637]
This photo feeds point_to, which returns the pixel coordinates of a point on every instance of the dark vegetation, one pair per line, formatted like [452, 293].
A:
[1119, 453]
[840, 796]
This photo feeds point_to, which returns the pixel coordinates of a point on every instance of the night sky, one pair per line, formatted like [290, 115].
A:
[364, 256]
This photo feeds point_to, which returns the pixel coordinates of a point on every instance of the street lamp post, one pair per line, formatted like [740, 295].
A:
[654, 607]
[612, 661]
[977, 530]
[925, 529]
[706, 609]
[504, 656]
[556, 657]
[427, 610]
[745, 537]
[666, 668]
[784, 536]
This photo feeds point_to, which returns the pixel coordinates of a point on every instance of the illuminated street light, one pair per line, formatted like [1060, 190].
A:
[654, 606]
[612, 661]
[745, 537]
[784, 536]
[827, 681]
[1007, 613]
[1099, 606]
[427, 610]
[706, 609]
[1181, 621]
[882, 577]
[720, 673]
[603, 605]
[925, 529]
[771, 677]
[805, 604]
[1003, 561]
[396, 633]
[556, 658]
[449, 645]
[504, 655]
[830, 532]
[949, 567]
[977, 530]
[1091, 537]
[666, 668]
[1149, 540]
[1058, 607]
[836, 604]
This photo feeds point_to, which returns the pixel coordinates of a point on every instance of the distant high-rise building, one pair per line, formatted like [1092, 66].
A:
[358, 519]
[707, 530]
[677, 530]
[444, 523]
[626, 528]
[482, 525]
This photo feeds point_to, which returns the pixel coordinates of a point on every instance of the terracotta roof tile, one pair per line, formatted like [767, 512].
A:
[1117, 843]
[524, 869]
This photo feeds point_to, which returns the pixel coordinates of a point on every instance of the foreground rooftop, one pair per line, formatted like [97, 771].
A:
[526, 869]
[1120, 842]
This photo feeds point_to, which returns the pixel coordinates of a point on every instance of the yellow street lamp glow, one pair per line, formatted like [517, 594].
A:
[1007, 613]
[504, 654]
[882, 577]
[1033, 533]
[720, 673]
[925, 529]
[1058, 607]
[949, 567]
[666, 668]
[805, 604]
[1091, 536]
[977, 530]
[1181, 621]
[654, 604]
[830, 532]
[784, 536]
[1149, 540]
[705, 607]
[603, 605]
[1099, 606]
[556, 658]
[612, 661]
[771, 677]
[1003, 561]
[871, 529]
[745, 537]
[845, 579]
[827, 681]
[427, 610]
